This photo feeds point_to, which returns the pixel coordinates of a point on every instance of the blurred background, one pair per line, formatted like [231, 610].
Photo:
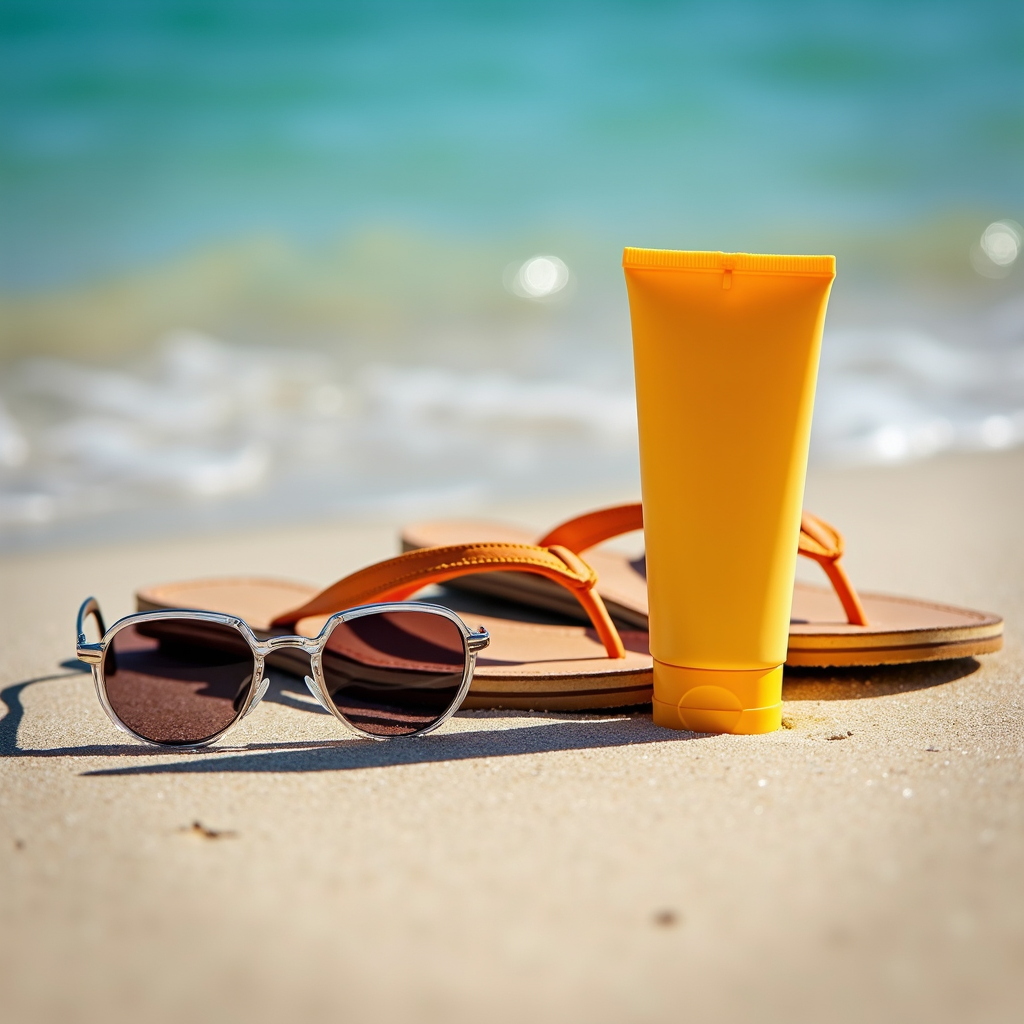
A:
[271, 262]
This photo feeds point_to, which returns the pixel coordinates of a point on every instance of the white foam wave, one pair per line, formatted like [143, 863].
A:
[205, 419]
[888, 396]
[292, 429]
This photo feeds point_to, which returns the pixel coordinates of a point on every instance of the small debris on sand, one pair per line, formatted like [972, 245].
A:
[200, 831]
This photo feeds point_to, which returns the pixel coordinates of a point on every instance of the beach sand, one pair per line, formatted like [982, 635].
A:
[863, 863]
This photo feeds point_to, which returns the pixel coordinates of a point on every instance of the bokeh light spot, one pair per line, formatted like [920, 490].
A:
[540, 277]
[995, 253]
[1001, 242]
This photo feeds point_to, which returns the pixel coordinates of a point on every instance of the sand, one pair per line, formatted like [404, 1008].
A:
[863, 863]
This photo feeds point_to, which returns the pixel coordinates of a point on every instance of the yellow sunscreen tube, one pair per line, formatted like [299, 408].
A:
[725, 347]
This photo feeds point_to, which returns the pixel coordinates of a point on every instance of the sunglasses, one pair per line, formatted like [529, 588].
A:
[184, 678]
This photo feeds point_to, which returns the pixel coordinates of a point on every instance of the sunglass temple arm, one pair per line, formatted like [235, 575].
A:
[92, 654]
[478, 641]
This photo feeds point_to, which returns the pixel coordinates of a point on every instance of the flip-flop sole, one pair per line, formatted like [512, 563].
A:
[901, 630]
[527, 665]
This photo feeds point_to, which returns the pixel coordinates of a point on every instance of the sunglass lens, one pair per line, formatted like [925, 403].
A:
[394, 673]
[178, 681]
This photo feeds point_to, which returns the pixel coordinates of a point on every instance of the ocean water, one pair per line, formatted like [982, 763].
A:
[270, 261]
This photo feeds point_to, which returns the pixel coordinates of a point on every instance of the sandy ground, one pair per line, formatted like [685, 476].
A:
[864, 863]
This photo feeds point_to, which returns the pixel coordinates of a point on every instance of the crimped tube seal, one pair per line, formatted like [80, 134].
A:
[717, 700]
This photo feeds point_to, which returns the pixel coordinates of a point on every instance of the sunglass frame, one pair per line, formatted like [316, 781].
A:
[93, 655]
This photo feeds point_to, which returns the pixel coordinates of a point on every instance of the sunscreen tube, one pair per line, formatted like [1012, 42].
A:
[725, 348]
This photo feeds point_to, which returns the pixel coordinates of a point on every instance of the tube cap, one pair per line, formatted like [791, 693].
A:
[717, 700]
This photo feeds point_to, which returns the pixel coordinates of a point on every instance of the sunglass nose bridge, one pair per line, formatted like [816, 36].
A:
[309, 645]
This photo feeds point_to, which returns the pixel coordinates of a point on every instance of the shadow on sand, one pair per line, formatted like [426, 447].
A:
[873, 681]
[349, 755]
[546, 732]
[556, 731]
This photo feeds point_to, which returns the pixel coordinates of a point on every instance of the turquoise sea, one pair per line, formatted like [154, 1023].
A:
[260, 259]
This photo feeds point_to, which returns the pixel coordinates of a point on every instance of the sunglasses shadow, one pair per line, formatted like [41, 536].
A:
[350, 755]
[560, 730]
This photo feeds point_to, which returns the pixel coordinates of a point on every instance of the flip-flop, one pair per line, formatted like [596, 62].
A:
[528, 665]
[828, 628]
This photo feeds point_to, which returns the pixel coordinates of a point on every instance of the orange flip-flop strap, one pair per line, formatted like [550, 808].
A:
[818, 540]
[824, 543]
[592, 528]
[399, 578]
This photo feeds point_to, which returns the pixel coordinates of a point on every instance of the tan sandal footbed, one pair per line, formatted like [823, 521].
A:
[560, 665]
[900, 630]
